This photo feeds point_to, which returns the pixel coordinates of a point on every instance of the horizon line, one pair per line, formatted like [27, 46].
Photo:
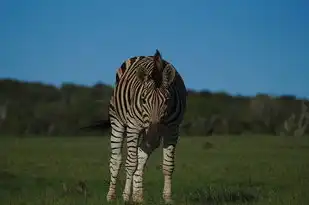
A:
[188, 89]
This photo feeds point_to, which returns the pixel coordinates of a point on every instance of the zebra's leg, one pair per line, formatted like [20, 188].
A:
[169, 146]
[138, 177]
[144, 152]
[131, 161]
[116, 139]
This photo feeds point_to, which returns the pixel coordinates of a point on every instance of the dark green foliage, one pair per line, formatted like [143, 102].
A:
[39, 109]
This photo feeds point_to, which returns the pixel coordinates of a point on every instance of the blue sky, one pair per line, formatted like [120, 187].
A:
[240, 46]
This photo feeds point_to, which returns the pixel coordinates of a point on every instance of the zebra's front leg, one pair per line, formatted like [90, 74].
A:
[169, 146]
[131, 161]
[144, 152]
[116, 141]
[138, 177]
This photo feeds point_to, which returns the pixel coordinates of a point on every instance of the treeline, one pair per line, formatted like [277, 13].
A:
[33, 108]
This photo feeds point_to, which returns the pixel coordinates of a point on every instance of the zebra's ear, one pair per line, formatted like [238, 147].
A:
[158, 60]
[168, 76]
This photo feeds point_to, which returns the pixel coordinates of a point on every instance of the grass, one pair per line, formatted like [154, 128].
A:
[213, 170]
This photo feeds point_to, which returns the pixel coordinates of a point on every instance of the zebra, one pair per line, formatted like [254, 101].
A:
[147, 106]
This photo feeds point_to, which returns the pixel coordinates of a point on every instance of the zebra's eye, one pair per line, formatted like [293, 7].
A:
[143, 100]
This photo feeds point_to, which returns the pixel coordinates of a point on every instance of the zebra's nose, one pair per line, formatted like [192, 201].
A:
[153, 127]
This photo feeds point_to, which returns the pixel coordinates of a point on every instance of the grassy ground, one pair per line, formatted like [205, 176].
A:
[215, 170]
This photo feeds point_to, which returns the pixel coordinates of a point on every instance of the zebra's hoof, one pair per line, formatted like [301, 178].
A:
[110, 197]
[137, 199]
[137, 196]
[126, 198]
[168, 201]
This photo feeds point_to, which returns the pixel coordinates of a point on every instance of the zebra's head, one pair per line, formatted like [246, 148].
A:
[156, 92]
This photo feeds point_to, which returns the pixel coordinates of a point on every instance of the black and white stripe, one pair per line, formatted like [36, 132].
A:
[147, 107]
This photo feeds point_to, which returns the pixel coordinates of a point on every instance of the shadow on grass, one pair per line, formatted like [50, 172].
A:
[221, 195]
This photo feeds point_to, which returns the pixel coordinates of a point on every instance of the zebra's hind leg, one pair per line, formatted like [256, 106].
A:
[169, 145]
[116, 141]
[131, 161]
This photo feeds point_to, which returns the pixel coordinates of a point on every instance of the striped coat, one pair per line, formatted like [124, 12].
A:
[147, 108]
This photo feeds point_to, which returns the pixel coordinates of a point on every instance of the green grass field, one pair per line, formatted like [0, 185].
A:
[214, 170]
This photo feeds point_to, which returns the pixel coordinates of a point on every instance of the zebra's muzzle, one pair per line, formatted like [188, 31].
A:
[152, 137]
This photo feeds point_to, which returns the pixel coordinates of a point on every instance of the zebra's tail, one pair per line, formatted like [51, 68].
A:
[98, 125]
